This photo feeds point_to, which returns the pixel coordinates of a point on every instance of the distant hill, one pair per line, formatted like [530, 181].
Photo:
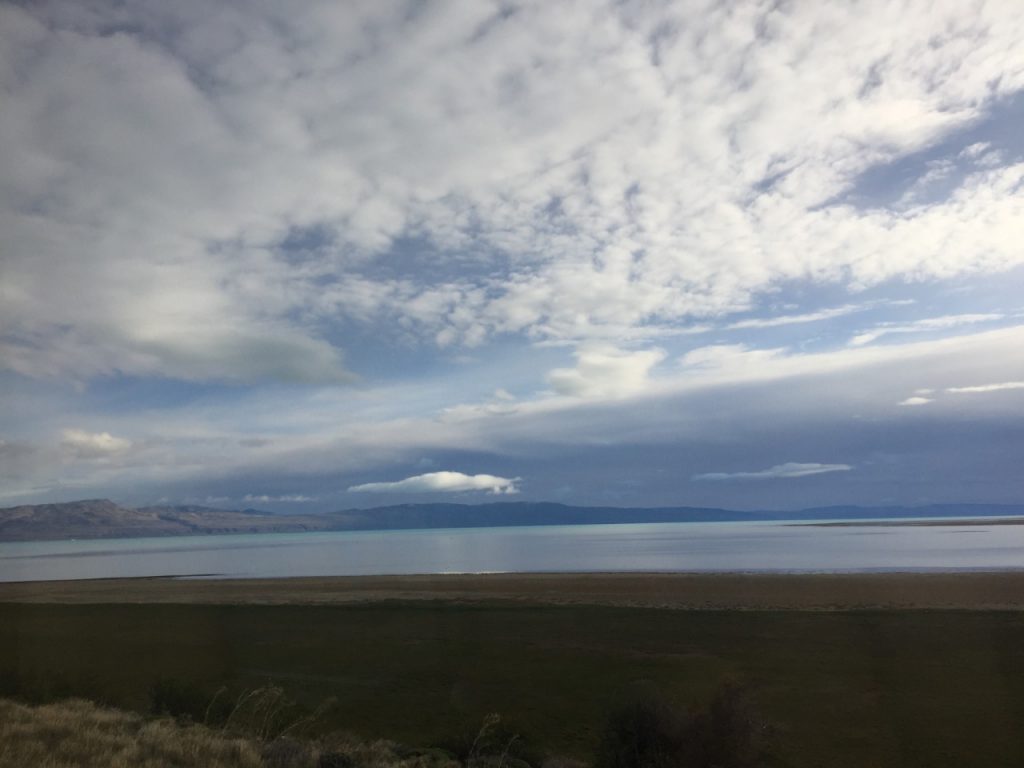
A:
[103, 519]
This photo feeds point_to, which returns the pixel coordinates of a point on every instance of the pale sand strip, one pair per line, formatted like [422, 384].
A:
[725, 591]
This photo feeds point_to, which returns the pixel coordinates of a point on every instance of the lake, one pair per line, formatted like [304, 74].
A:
[773, 546]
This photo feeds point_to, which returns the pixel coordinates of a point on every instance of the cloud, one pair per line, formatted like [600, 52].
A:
[740, 416]
[287, 498]
[789, 469]
[922, 326]
[916, 400]
[808, 317]
[443, 482]
[292, 196]
[93, 445]
[724, 392]
[605, 372]
[731, 359]
[234, 197]
[988, 387]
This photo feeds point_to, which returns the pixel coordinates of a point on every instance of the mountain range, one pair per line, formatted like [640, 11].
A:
[104, 519]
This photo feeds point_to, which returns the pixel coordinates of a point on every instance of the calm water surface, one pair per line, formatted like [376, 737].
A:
[645, 547]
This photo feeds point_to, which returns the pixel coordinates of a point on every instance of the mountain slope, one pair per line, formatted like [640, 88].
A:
[103, 519]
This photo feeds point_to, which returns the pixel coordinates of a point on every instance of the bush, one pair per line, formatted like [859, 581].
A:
[644, 732]
[649, 732]
[729, 734]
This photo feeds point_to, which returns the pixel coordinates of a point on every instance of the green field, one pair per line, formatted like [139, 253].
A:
[914, 688]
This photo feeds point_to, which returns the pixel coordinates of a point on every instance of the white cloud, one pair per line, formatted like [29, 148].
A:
[605, 372]
[313, 432]
[574, 172]
[919, 399]
[808, 317]
[93, 445]
[988, 387]
[789, 469]
[925, 325]
[733, 359]
[290, 498]
[975, 150]
[602, 176]
[443, 482]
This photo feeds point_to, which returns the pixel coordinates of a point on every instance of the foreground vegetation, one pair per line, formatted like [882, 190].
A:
[840, 689]
[80, 734]
[646, 732]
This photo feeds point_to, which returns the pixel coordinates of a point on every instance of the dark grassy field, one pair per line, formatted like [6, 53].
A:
[915, 688]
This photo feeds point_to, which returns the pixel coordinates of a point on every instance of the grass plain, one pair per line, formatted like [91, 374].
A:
[842, 687]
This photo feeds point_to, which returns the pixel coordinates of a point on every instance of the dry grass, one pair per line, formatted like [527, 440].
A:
[80, 734]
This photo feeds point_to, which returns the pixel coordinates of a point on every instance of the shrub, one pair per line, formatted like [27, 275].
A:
[647, 731]
[728, 734]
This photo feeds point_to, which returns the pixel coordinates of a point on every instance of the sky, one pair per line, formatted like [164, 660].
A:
[318, 255]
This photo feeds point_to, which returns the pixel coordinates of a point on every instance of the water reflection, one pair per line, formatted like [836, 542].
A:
[646, 547]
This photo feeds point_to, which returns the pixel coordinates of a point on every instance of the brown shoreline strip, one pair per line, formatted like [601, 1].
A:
[689, 591]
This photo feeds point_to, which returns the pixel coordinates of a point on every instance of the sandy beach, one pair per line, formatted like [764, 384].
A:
[714, 591]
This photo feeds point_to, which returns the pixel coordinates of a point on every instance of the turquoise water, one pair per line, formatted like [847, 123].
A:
[646, 547]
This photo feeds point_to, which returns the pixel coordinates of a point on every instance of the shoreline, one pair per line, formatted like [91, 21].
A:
[296, 525]
[965, 590]
[931, 522]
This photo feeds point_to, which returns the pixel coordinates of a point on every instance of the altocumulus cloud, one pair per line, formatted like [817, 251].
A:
[789, 469]
[631, 178]
[443, 482]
